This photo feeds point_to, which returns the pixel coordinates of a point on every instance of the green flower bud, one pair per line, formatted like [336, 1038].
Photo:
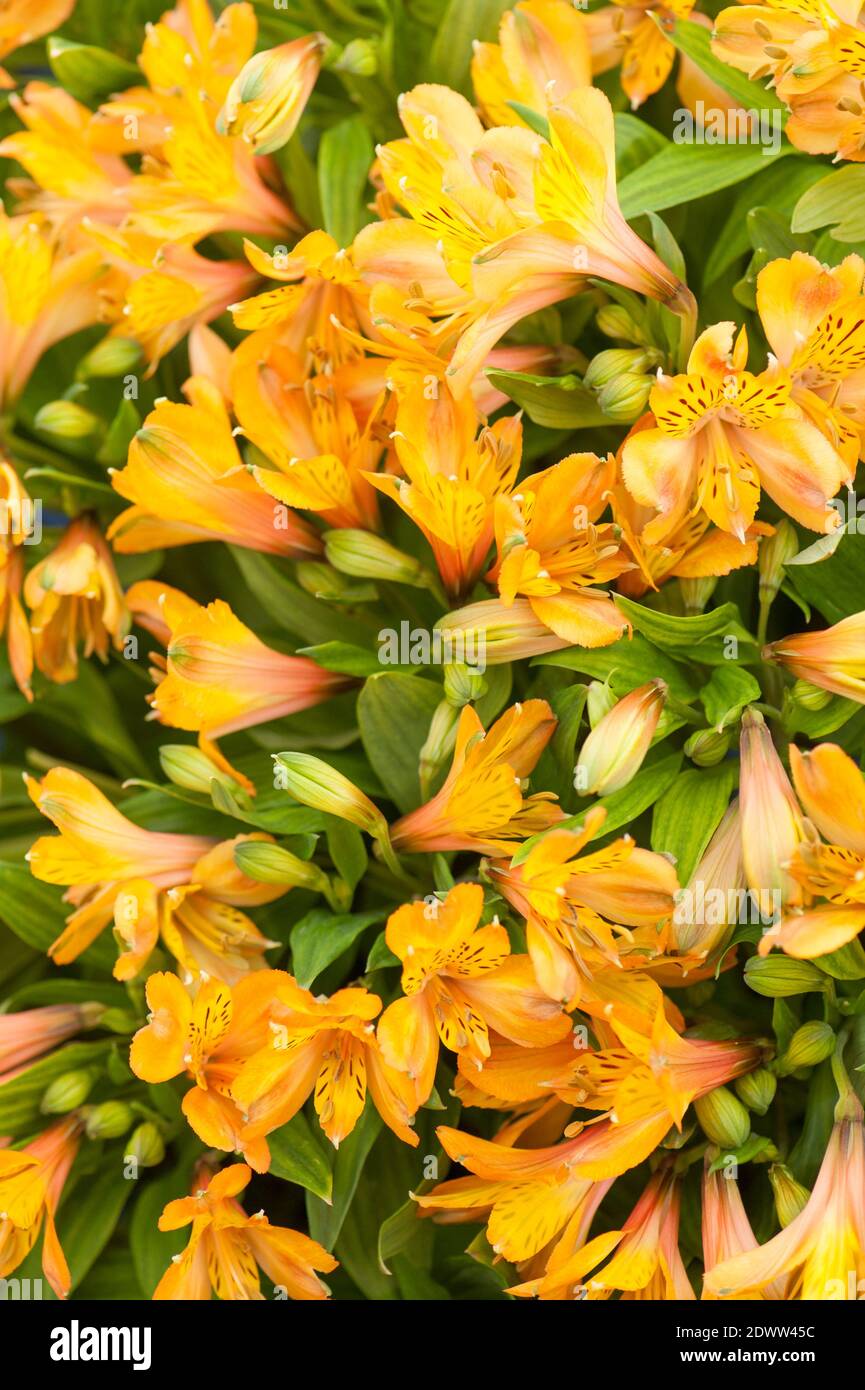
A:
[723, 1118]
[809, 696]
[775, 551]
[323, 581]
[606, 366]
[186, 766]
[111, 357]
[756, 1090]
[599, 701]
[67, 1092]
[146, 1146]
[359, 57]
[697, 592]
[268, 863]
[439, 744]
[707, 747]
[614, 321]
[109, 1120]
[462, 685]
[777, 977]
[67, 420]
[365, 556]
[625, 398]
[790, 1195]
[809, 1046]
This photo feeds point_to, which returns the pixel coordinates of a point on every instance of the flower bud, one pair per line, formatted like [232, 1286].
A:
[809, 1046]
[756, 1089]
[775, 551]
[790, 1195]
[267, 98]
[359, 57]
[599, 701]
[624, 399]
[323, 581]
[723, 1118]
[616, 747]
[772, 823]
[67, 1092]
[462, 684]
[606, 366]
[809, 696]
[697, 592]
[146, 1145]
[439, 744]
[109, 1120]
[365, 556]
[315, 783]
[614, 321]
[67, 420]
[778, 977]
[112, 357]
[707, 747]
[269, 863]
[187, 766]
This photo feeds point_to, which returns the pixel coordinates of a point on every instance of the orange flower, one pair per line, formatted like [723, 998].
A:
[75, 597]
[834, 659]
[184, 888]
[18, 518]
[772, 824]
[460, 980]
[613, 752]
[31, 1185]
[20, 24]
[32, 1032]
[543, 48]
[208, 1036]
[726, 1229]
[325, 1046]
[482, 806]
[266, 100]
[226, 1246]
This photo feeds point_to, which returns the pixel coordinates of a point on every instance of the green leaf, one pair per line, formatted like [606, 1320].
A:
[837, 201]
[628, 663]
[557, 402]
[381, 957]
[325, 1222]
[687, 815]
[464, 22]
[321, 937]
[89, 1218]
[847, 963]
[344, 158]
[636, 141]
[347, 849]
[394, 713]
[642, 791]
[343, 657]
[834, 586]
[696, 42]
[726, 693]
[682, 173]
[703, 637]
[286, 604]
[89, 72]
[21, 1097]
[35, 913]
[88, 708]
[297, 1155]
[151, 1249]
[778, 187]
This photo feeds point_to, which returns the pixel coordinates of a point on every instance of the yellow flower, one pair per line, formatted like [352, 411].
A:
[31, 1185]
[833, 659]
[543, 50]
[75, 598]
[773, 826]
[226, 1247]
[21, 23]
[614, 750]
[267, 98]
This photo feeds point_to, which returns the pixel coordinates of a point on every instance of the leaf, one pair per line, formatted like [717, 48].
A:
[321, 937]
[837, 201]
[88, 708]
[835, 586]
[687, 815]
[381, 957]
[35, 913]
[343, 657]
[286, 604]
[89, 72]
[628, 663]
[642, 791]
[636, 141]
[344, 158]
[151, 1249]
[557, 402]
[464, 22]
[346, 848]
[778, 187]
[695, 41]
[703, 636]
[298, 1156]
[88, 1220]
[682, 173]
[394, 713]
[325, 1222]
[21, 1097]
[726, 693]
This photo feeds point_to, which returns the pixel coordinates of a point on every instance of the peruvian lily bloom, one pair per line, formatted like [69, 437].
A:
[720, 435]
[76, 599]
[482, 805]
[208, 1035]
[31, 1185]
[543, 48]
[326, 1047]
[308, 428]
[726, 1229]
[773, 826]
[267, 98]
[226, 1248]
[613, 752]
[706, 908]
[646, 1263]
[502, 632]
[814, 320]
[18, 516]
[187, 482]
[820, 1255]
[21, 24]
[32, 1032]
[578, 907]
[834, 658]
[185, 888]
[553, 551]
[46, 296]
[460, 980]
[217, 677]
[832, 790]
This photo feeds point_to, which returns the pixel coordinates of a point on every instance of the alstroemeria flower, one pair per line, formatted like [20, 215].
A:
[187, 482]
[76, 599]
[614, 750]
[721, 434]
[267, 98]
[832, 790]
[152, 883]
[833, 658]
[482, 805]
[226, 1247]
[31, 1185]
[773, 826]
[32, 1032]
[460, 980]
[646, 1263]
[543, 49]
[208, 1035]
[20, 24]
[726, 1229]
[20, 517]
[326, 1047]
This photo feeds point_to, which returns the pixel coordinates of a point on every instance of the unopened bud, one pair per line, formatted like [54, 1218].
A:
[777, 977]
[67, 420]
[109, 1120]
[269, 863]
[267, 98]
[707, 747]
[775, 551]
[723, 1118]
[790, 1195]
[756, 1090]
[615, 749]
[697, 592]
[315, 783]
[111, 357]
[614, 321]
[323, 581]
[462, 684]
[809, 1046]
[439, 744]
[67, 1092]
[599, 701]
[359, 57]
[624, 399]
[365, 556]
[606, 366]
[146, 1145]
[809, 696]
[187, 766]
